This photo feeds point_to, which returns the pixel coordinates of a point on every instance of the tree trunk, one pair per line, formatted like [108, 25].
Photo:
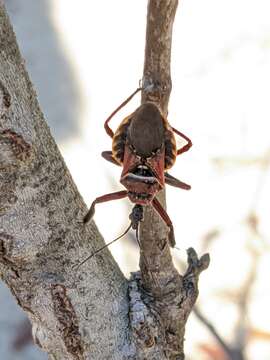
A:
[92, 312]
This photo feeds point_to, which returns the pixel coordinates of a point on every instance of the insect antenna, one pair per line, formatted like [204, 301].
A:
[137, 237]
[103, 247]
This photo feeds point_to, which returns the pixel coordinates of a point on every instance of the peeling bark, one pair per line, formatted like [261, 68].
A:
[91, 312]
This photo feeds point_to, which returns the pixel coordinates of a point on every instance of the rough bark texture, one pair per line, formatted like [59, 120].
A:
[92, 312]
[74, 313]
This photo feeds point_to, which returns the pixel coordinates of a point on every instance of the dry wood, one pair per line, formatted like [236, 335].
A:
[92, 312]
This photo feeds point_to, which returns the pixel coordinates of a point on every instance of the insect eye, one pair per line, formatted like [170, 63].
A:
[132, 148]
[156, 151]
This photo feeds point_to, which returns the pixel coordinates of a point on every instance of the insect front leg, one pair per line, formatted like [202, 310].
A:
[107, 155]
[185, 147]
[158, 207]
[171, 180]
[108, 197]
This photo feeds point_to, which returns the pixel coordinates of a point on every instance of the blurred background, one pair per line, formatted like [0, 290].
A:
[85, 58]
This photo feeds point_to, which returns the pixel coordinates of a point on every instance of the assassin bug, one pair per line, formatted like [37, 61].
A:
[144, 145]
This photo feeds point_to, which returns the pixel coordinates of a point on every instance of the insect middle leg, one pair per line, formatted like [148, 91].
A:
[108, 197]
[163, 214]
[171, 180]
[185, 147]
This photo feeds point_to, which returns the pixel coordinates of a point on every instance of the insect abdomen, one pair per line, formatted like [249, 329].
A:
[170, 149]
[119, 140]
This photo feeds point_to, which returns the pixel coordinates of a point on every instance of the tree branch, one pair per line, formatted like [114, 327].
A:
[214, 332]
[41, 234]
[95, 312]
[157, 63]
[165, 296]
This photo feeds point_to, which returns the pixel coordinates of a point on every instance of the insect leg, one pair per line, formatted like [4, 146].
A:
[106, 124]
[158, 207]
[108, 197]
[171, 180]
[107, 155]
[185, 147]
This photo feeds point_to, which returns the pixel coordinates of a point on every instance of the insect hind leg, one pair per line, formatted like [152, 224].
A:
[163, 214]
[106, 124]
[185, 147]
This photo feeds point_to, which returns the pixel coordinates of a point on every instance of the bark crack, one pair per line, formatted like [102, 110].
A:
[5, 100]
[68, 322]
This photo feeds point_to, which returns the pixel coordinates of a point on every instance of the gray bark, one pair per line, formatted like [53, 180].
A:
[93, 311]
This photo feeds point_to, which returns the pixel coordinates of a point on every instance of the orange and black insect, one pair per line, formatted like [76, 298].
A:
[144, 145]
